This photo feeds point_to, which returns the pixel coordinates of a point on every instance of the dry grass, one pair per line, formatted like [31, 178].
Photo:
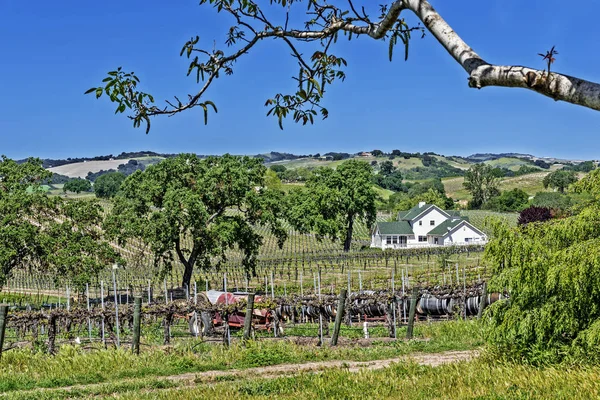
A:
[81, 169]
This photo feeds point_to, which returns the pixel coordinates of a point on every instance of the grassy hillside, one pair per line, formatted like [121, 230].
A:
[399, 162]
[530, 183]
[81, 169]
[508, 162]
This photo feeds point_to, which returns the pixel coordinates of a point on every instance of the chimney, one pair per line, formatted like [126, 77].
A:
[421, 204]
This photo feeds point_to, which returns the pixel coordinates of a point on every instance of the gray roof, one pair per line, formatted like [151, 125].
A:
[395, 228]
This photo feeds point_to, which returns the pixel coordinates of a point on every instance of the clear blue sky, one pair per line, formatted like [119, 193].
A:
[53, 51]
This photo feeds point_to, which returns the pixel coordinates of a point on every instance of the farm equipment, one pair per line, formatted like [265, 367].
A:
[261, 318]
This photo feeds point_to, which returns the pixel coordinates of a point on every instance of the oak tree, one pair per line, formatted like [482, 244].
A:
[77, 185]
[560, 180]
[196, 210]
[482, 183]
[108, 185]
[48, 234]
[334, 200]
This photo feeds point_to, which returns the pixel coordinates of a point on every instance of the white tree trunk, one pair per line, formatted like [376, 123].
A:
[482, 74]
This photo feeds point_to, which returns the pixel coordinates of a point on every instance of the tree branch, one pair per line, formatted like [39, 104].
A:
[321, 67]
[481, 73]
[179, 252]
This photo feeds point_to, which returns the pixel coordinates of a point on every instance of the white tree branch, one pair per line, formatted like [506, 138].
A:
[482, 74]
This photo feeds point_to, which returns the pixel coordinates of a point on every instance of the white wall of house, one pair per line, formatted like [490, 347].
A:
[394, 241]
[423, 224]
[463, 234]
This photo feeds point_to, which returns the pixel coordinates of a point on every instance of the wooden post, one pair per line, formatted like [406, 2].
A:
[137, 316]
[411, 313]
[116, 309]
[52, 334]
[338, 317]
[3, 321]
[89, 321]
[248, 318]
[482, 302]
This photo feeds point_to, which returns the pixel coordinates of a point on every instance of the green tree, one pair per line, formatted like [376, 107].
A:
[334, 200]
[552, 200]
[278, 168]
[47, 234]
[108, 185]
[386, 168]
[482, 183]
[74, 248]
[560, 180]
[509, 200]
[197, 209]
[272, 180]
[77, 185]
[552, 274]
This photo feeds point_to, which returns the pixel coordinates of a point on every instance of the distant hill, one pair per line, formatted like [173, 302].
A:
[414, 166]
[480, 157]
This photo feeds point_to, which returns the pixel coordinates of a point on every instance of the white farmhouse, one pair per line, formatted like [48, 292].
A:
[425, 225]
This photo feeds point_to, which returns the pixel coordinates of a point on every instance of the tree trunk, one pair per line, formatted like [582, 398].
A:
[187, 263]
[348, 240]
[187, 275]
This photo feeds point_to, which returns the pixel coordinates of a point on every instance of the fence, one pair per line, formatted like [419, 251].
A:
[224, 316]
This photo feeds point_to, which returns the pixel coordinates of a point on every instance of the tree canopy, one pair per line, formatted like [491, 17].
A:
[482, 182]
[47, 234]
[197, 210]
[551, 271]
[312, 31]
[108, 185]
[560, 179]
[77, 185]
[334, 200]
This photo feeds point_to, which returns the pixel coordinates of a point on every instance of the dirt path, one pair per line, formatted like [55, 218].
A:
[274, 371]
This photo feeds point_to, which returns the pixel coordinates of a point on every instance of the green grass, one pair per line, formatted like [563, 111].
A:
[464, 380]
[478, 217]
[26, 369]
[384, 193]
[530, 183]
[508, 162]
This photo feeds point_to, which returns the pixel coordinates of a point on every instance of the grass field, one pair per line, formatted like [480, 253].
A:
[81, 169]
[428, 367]
[508, 162]
[530, 183]
[29, 370]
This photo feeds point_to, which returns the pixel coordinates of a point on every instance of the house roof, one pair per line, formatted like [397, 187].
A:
[416, 211]
[449, 225]
[401, 214]
[395, 228]
[445, 227]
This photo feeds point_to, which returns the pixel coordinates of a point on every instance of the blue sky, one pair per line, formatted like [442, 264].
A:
[53, 51]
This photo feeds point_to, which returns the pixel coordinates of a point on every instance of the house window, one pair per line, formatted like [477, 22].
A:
[395, 239]
[388, 240]
[420, 223]
[432, 222]
[422, 238]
